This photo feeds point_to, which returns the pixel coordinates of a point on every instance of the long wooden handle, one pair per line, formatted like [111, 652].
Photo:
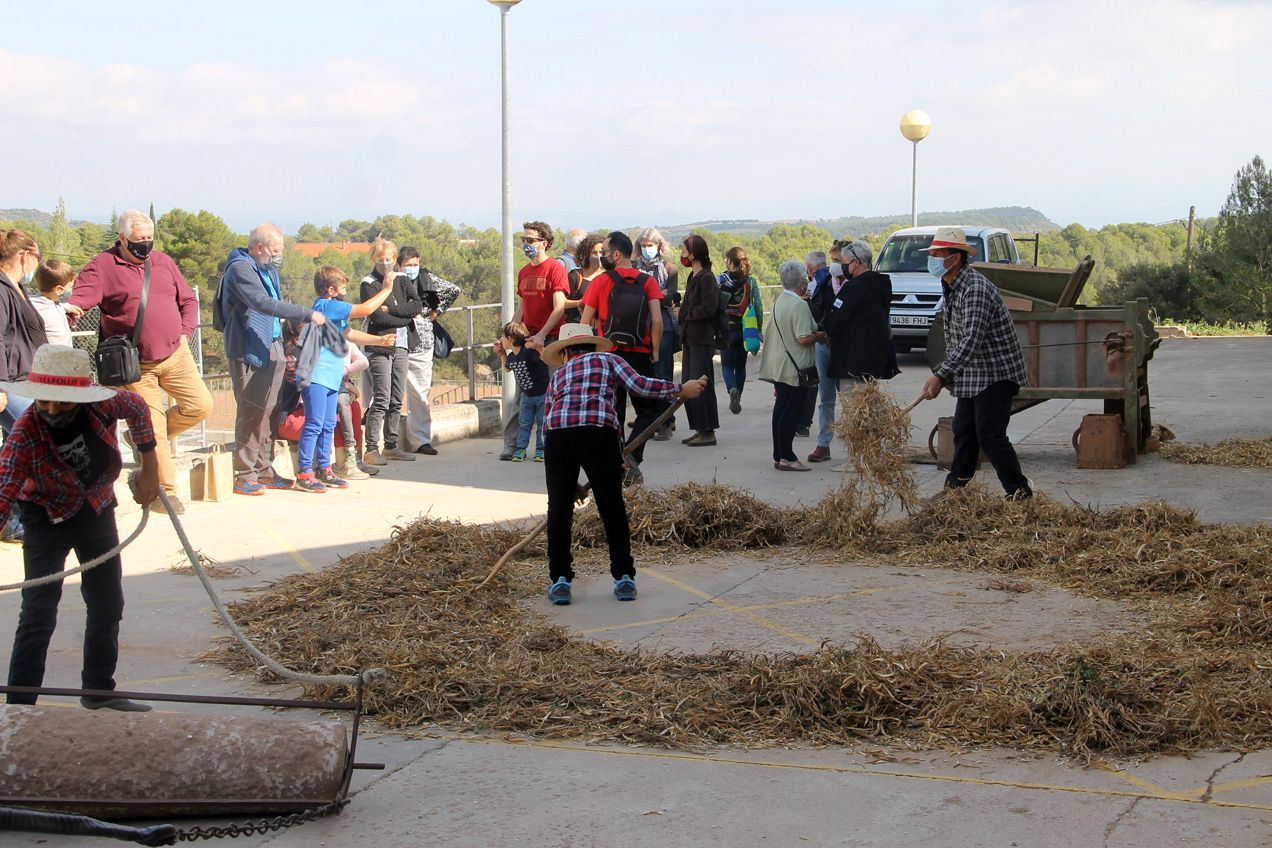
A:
[582, 491]
[918, 400]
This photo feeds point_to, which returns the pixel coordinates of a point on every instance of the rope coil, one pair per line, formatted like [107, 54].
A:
[366, 677]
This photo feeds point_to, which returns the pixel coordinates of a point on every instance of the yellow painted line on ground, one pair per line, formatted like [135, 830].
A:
[1261, 780]
[287, 547]
[1151, 788]
[733, 608]
[150, 681]
[867, 772]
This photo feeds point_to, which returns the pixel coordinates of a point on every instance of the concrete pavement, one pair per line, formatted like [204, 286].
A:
[496, 791]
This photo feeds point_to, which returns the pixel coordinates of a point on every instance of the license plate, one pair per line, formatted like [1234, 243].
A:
[911, 320]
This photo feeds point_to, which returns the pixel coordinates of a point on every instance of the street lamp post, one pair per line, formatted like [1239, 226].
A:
[508, 292]
[915, 126]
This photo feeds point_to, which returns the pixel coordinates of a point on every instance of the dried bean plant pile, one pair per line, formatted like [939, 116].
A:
[1198, 675]
[1239, 453]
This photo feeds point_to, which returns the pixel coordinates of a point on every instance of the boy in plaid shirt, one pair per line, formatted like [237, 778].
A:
[59, 468]
[583, 432]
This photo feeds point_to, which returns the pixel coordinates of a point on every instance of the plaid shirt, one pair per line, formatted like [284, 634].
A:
[31, 469]
[981, 347]
[581, 393]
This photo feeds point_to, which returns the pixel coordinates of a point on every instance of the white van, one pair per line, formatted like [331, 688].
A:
[916, 294]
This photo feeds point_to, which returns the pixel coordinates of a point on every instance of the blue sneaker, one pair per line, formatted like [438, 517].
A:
[277, 482]
[625, 588]
[538, 456]
[519, 455]
[559, 592]
[248, 487]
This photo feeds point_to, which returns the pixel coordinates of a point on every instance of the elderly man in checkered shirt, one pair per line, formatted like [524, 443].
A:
[983, 365]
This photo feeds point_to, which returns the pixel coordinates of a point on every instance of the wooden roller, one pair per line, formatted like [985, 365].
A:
[140, 765]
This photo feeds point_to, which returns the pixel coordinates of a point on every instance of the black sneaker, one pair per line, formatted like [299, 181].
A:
[802, 432]
[121, 705]
[427, 450]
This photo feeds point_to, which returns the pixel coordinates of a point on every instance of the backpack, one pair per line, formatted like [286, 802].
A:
[627, 311]
[218, 308]
[739, 297]
[722, 317]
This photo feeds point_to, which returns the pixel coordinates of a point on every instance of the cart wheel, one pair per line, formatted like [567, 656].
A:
[932, 440]
[1076, 434]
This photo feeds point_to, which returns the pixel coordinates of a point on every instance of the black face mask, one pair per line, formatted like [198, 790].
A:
[607, 263]
[59, 420]
[140, 249]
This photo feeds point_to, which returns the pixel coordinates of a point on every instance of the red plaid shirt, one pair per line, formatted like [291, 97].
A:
[31, 469]
[581, 393]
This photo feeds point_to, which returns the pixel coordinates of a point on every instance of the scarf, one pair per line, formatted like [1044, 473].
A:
[654, 267]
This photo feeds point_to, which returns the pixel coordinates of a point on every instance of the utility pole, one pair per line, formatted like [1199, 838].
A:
[1192, 214]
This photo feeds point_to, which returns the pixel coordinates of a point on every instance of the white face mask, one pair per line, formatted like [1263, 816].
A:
[836, 269]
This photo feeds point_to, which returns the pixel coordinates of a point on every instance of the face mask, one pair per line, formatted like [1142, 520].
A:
[58, 419]
[936, 266]
[607, 264]
[648, 253]
[686, 261]
[530, 251]
[140, 249]
[276, 262]
[28, 277]
[836, 269]
[384, 268]
[412, 271]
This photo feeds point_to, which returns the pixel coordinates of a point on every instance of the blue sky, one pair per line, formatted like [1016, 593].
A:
[630, 114]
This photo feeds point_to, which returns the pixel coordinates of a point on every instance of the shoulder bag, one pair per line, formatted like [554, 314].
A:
[117, 358]
[807, 376]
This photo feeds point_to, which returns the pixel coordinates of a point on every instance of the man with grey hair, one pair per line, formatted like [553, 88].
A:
[117, 280]
[818, 275]
[250, 302]
[855, 317]
[572, 241]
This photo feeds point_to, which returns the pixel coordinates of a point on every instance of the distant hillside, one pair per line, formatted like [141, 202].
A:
[35, 216]
[1020, 219]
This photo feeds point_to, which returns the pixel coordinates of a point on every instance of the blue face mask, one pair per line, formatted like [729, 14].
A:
[28, 277]
[936, 266]
[412, 271]
[648, 253]
[530, 251]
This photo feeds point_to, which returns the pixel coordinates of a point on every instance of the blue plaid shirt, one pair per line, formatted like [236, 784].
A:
[981, 347]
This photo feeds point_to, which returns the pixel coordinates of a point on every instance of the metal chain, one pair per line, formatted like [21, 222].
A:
[261, 826]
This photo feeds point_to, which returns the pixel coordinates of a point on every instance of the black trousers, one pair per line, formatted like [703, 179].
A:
[44, 552]
[647, 409]
[788, 405]
[701, 411]
[597, 452]
[980, 424]
[807, 409]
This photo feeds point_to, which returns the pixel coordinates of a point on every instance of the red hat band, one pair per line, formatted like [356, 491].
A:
[59, 380]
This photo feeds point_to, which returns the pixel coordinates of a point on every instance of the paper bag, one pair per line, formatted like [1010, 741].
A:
[284, 460]
[212, 477]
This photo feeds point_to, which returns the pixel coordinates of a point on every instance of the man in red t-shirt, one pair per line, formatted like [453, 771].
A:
[543, 286]
[617, 259]
[543, 289]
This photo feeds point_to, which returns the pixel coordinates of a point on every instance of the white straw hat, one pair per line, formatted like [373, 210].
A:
[60, 373]
[950, 238]
[573, 334]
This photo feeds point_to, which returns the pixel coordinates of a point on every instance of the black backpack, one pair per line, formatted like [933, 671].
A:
[627, 312]
[722, 317]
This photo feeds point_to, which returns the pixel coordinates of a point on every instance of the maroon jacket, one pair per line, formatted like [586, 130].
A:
[114, 284]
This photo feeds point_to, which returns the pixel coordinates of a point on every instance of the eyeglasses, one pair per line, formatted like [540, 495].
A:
[530, 239]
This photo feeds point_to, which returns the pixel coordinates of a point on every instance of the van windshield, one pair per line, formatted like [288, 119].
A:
[906, 253]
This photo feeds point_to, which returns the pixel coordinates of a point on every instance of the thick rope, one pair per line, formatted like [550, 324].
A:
[365, 677]
[369, 676]
[92, 563]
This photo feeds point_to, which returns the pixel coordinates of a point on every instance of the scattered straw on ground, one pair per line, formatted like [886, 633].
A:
[877, 434]
[1198, 675]
[1239, 453]
[180, 565]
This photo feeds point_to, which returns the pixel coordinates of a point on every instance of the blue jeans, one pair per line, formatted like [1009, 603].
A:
[827, 390]
[733, 359]
[531, 413]
[320, 426]
[8, 418]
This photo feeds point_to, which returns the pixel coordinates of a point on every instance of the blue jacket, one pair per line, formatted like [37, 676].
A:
[251, 308]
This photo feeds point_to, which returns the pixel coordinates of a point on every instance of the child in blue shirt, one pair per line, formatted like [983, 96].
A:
[320, 396]
[532, 376]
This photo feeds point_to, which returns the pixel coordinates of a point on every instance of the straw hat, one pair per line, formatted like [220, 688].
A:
[60, 373]
[573, 334]
[951, 238]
